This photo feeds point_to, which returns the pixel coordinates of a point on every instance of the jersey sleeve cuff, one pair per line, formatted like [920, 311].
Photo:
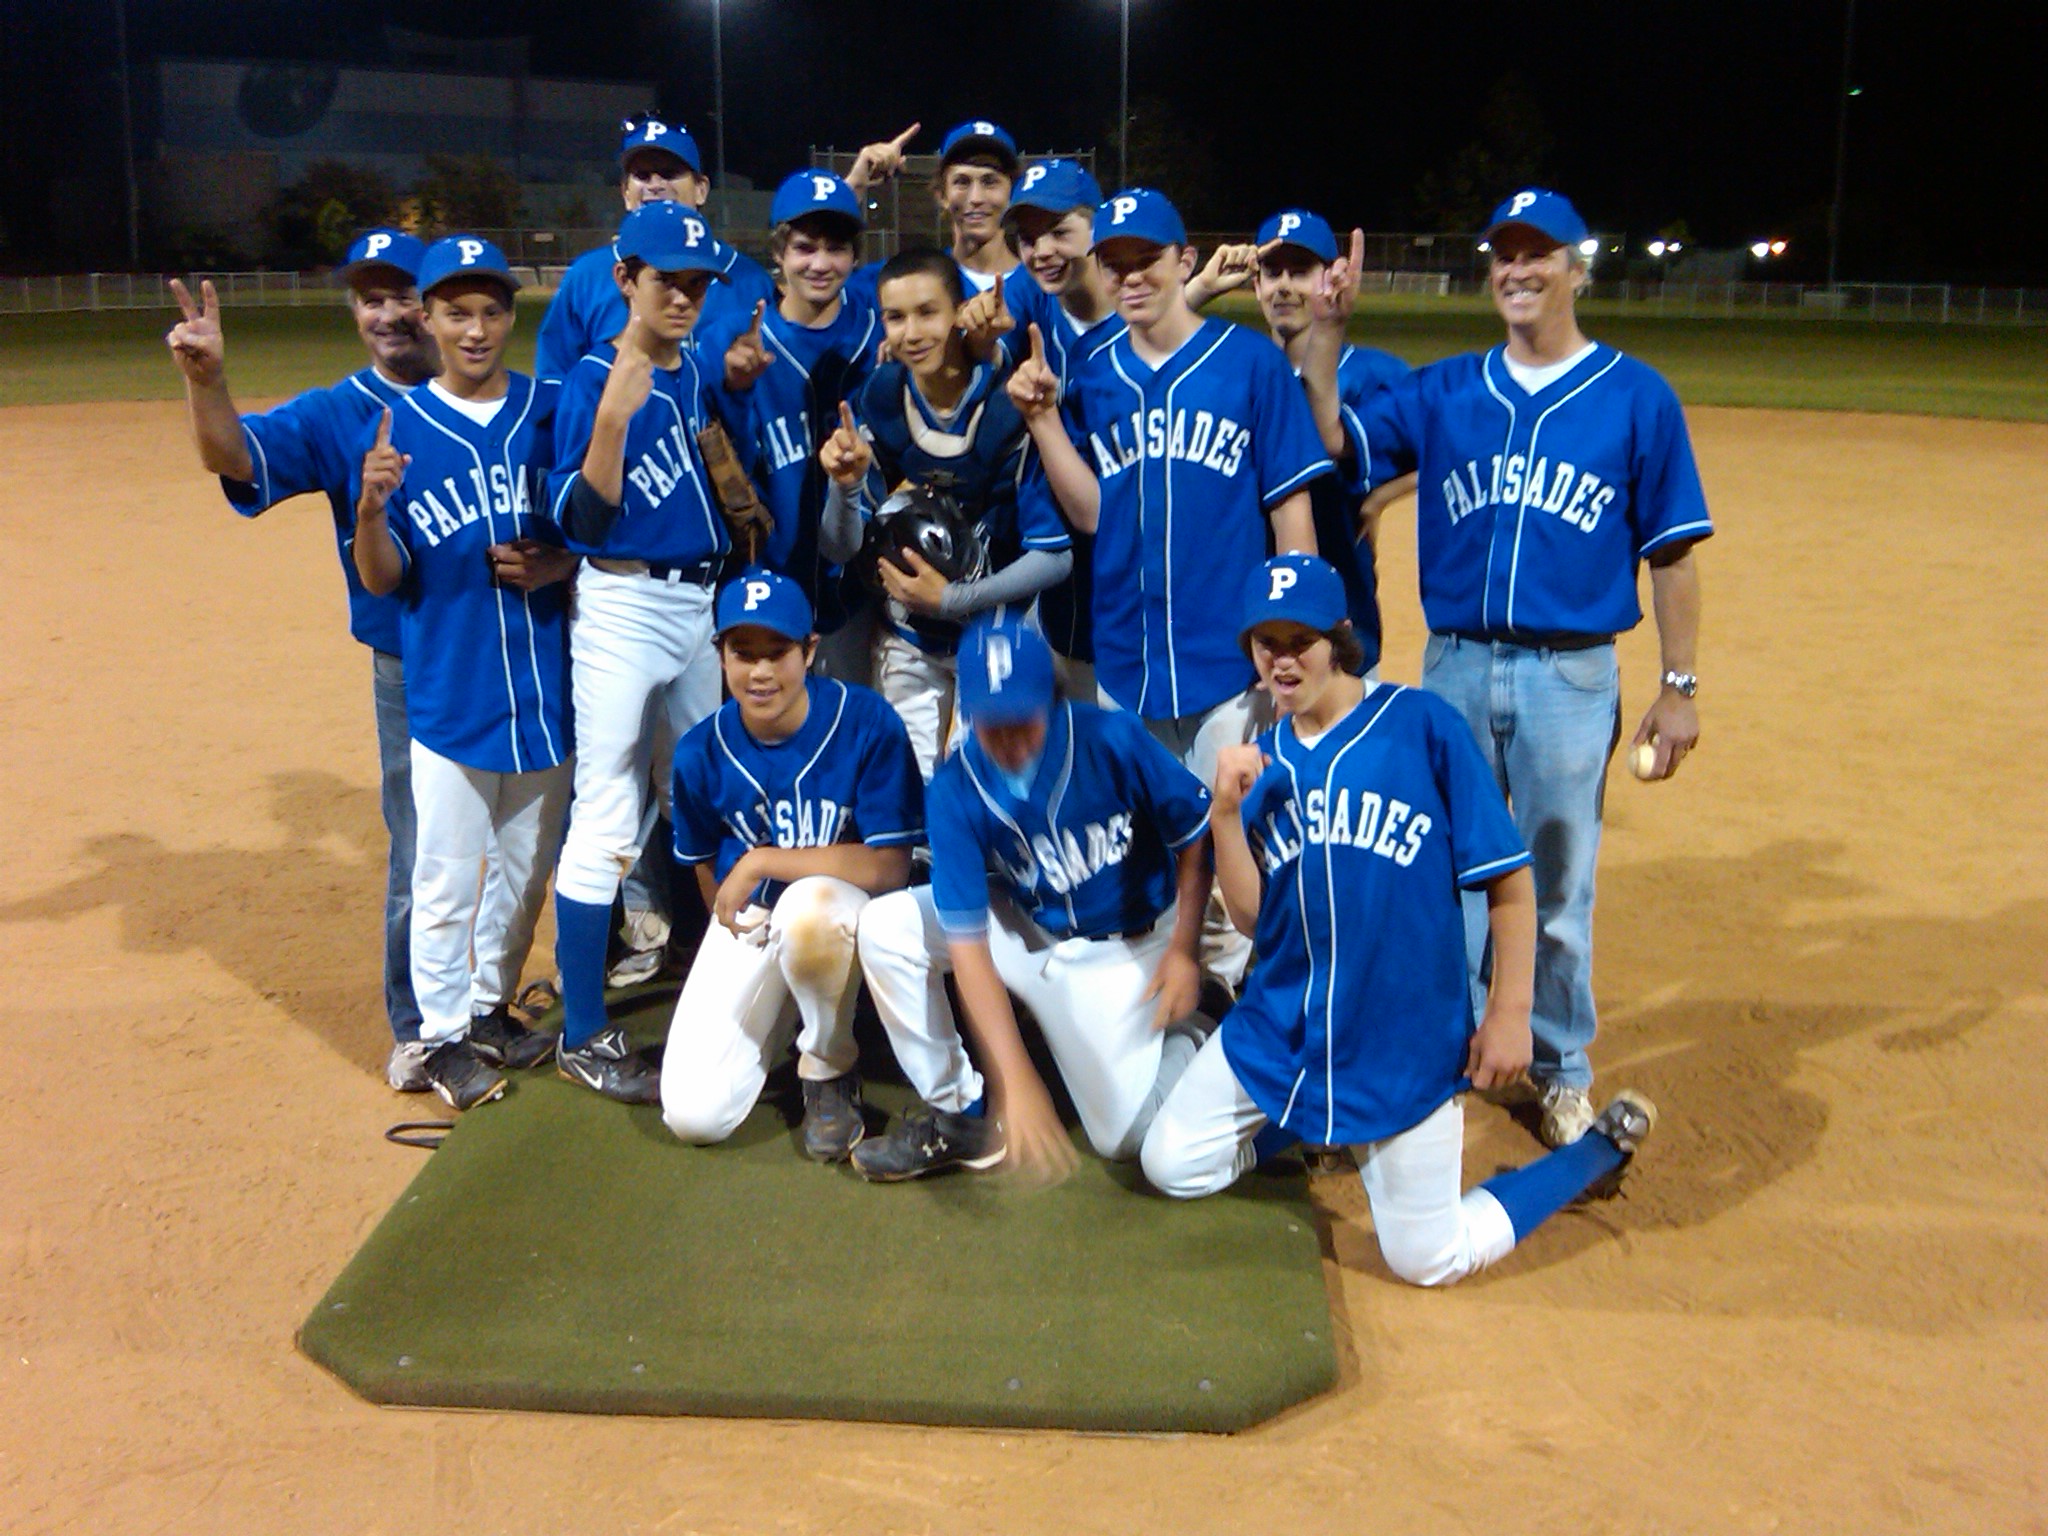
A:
[691, 855]
[250, 496]
[964, 925]
[1175, 844]
[1491, 870]
[1296, 481]
[1701, 529]
[909, 836]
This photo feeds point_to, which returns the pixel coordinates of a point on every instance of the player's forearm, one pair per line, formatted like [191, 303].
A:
[1511, 919]
[874, 870]
[1320, 351]
[1018, 582]
[991, 1021]
[1294, 525]
[1376, 501]
[217, 430]
[840, 524]
[1237, 872]
[1073, 483]
[376, 558]
[1190, 897]
[1675, 599]
[604, 461]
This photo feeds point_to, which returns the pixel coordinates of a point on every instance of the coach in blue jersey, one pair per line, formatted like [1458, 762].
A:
[1550, 469]
[1343, 839]
[795, 802]
[1070, 866]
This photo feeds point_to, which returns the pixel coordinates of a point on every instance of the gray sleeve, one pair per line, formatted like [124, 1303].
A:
[840, 525]
[1018, 582]
[588, 517]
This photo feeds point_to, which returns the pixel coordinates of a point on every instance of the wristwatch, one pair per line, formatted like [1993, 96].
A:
[1685, 682]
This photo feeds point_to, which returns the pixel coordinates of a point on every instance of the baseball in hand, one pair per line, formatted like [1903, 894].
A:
[1642, 762]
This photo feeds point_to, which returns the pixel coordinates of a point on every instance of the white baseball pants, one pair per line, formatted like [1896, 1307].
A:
[643, 670]
[466, 816]
[1088, 996]
[1429, 1233]
[921, 686]
[792, 966]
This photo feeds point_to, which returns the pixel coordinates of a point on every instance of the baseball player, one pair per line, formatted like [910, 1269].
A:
[631, 491]
[312, 443]
[1069, 866]
[977, 167]
[788, 373]
[486, 685]
[797, 801]
[1343, 840]
[1192, 447]
[1550, 468]
[934, 417]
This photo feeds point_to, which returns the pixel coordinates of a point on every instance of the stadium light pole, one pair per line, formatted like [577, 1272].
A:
[128, 136]
[1123, 104]
[718, 90]
[1841, 141]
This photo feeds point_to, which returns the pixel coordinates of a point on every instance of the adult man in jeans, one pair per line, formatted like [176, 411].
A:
[1549, 468]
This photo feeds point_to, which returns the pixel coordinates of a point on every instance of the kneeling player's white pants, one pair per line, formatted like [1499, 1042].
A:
[1088, 996]
[643, 671]
[792, 966]
[921, 686]
[1430, 1233]
[468, 815]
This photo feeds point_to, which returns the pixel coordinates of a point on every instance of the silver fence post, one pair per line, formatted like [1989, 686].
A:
[1944, 303]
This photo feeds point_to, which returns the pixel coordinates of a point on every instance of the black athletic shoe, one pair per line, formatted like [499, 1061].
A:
[926, 1140]
[606, 1063]
[455, 1072]
[833, 1125]
[503, 1041]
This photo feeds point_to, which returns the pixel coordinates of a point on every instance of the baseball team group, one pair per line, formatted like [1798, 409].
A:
[991, 613]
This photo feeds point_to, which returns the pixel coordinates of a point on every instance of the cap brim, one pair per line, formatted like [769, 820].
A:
[977, 144]
[494, 274]
[852, 223]
[1008, 711]
[626, 158]
[345, 276]
[1551, 235]
[767, 629]
[684, 261]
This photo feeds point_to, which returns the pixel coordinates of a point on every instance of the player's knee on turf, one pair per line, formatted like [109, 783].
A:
[702, 1113]
[1171, 1164]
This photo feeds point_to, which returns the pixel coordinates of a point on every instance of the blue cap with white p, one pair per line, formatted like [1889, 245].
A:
[1056, 185]
[1298, 226]
[763, 599]
[979, 137]
[670, 238]
[1550, 214]
[642, 133]
[387, 248]
[1139, 213]
[804, 194]
[462, 256]
[1298, 589]
[1005, 672]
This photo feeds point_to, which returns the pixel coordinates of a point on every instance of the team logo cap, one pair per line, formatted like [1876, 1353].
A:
[1299, 589]
[670, 238]
[1548, 213]
[980, 137]
[1297, 226]
[381, 247]
[808, 193]
[1139, 213]
[1057, 186]
[638, 133]
[765, 600]
[463, 256]
[1006, 675]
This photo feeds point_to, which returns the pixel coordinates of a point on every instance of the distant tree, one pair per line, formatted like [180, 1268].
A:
[1170, 152]
[1510, 150]
[466, 192]
[312, 220]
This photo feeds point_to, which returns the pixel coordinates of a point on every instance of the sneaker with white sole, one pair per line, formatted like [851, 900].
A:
[833, 1124]
[458, 1074]
[927, 1140]
[606, 1063]
[1567, 1114]
[406, 1070]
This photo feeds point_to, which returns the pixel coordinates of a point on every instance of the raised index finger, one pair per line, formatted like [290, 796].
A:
[1357, 250]
[209, 299]
[905, 137]
[846, 418]
[760, 309]
[384, 429]
[1037, 343]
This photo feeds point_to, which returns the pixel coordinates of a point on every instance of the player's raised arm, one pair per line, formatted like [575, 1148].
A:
[199, 347]
[1330, 310]
[879, 161]
[1035, 390]
[626, 389]
[1237, 872]
[377, 558]
[1228, 268]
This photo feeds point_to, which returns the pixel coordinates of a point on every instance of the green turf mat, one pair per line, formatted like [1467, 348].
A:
[563, 1252]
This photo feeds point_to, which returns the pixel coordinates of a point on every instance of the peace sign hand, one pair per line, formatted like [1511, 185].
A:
[196, 342]
[1336, 291]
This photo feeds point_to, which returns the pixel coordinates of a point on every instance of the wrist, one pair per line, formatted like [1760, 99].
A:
[1682, 681]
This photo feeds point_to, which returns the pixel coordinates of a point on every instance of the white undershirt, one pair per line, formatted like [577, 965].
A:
[980, 282]
[1536, 380]
[482, 412]
[1311, 742]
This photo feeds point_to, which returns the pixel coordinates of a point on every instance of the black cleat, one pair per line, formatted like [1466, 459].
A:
[606, 1063]
[833, 1126]
[926, 1140]
[458, 1074]
[503, 1041]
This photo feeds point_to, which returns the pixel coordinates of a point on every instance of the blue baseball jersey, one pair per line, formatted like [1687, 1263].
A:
[486, 667]
[310, 444]
[848, 775]
[980, 453]
[1533, 511]
[588, 308]
[1090, 852]
[1356, 1021]
[1361, 372]
[670, 512]
[1191, 457]
[781, 422]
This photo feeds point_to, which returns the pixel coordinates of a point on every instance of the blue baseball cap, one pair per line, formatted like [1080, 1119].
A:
[808, 193]
[980, 137]
[463, 256]
[652, 133]
[1300, 589]
[760, 597]
[1297, 226]
[1139, 213]
[382, 247]
[670, 238]
[1548, 213]
[1057, 186]
[1005, 672]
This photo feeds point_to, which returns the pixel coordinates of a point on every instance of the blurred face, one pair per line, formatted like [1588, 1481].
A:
[1054, 246]
[1147, 279]
[918, 316]
[1534, 279]
[1294, 664]
[816, 261]
[656, 176]
[667, 303]
[765, 673]
[393, 326]
[1012, 748]
[471, 319]
[974, 197]
[1285, 282]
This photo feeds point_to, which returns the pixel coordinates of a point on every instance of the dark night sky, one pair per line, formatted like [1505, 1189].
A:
[1720, 115]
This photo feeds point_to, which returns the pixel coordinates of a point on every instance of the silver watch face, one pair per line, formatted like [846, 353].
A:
[1684, 682]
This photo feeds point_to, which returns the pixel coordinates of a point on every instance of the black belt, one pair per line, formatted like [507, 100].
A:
[1533, 641]
[701, 573]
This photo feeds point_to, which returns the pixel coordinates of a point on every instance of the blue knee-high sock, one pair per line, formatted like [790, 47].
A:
[1533, 1194]
[582, 930]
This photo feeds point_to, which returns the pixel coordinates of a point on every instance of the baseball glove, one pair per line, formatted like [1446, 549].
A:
[930, 521]
[746, 517]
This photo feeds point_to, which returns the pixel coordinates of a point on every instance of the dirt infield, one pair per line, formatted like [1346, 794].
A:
[1823, 1306]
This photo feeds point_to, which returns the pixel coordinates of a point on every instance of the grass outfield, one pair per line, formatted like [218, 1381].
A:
[1983, 371]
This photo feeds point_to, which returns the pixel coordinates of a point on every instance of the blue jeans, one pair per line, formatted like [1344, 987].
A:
[394, 752]
[1548, 721]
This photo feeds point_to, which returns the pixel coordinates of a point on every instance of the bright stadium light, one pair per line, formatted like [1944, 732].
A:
[1777, 247]
[1589, 246]
[1486, 245]
[1657, 247]
[1760, 249]
[1674, 247]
